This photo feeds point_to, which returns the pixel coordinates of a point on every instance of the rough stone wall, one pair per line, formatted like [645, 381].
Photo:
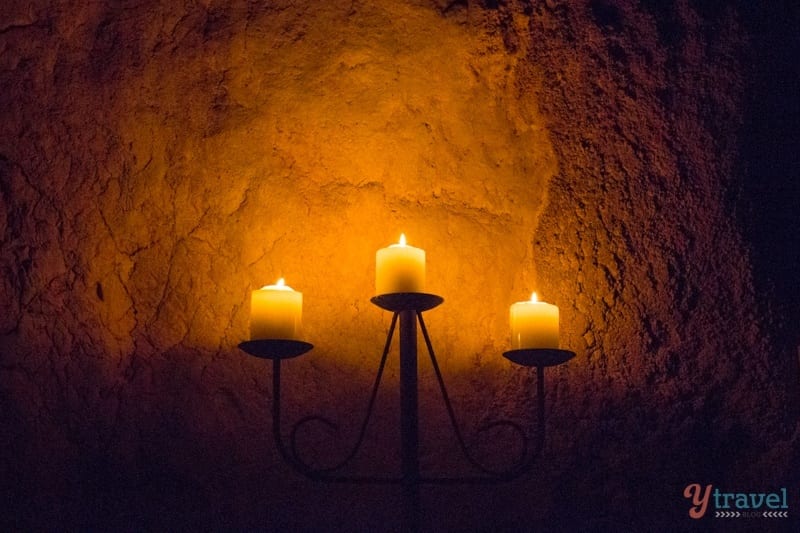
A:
[681, 371]
[160, 161]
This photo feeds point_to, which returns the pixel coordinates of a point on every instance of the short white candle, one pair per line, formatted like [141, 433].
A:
[275, 312]
[399, 268]
[534, 324]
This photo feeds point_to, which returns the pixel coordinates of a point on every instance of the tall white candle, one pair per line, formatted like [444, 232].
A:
[399, 268]
[534, 324]
[275, 312]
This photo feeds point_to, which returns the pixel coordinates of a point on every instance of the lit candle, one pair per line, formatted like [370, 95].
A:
[534, 324]
[399, 268]
[275, 312]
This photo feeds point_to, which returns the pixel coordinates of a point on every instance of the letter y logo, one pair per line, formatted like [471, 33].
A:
[700, 502]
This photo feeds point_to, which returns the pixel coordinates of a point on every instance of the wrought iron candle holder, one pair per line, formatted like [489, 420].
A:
[407, 308]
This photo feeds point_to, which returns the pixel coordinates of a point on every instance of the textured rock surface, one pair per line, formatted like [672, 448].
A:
[159, 162]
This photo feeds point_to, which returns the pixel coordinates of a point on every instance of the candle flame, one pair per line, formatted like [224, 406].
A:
[402, 239]
[533, 297]
[281, 282]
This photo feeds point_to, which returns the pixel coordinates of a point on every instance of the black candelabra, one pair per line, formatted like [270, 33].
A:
[407, 308]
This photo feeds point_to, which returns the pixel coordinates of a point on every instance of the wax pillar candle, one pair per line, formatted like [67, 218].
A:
[399, 268]
[275, 312]
[534, 324]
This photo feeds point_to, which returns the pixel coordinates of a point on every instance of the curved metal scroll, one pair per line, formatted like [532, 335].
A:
[521, 466]
[292, 456]
[523, 463]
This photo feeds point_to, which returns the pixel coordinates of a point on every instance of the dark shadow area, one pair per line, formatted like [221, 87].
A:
[769, 202]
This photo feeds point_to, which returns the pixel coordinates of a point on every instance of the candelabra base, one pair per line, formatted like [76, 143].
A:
[539, 356]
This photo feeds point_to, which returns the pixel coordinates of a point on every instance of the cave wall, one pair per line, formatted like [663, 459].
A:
[665, 286]
[158, 162]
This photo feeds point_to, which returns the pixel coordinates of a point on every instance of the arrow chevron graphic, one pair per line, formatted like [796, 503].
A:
[764, 514]
[776, 514]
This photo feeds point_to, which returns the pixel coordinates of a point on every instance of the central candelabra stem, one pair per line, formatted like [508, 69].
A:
[409, 418]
